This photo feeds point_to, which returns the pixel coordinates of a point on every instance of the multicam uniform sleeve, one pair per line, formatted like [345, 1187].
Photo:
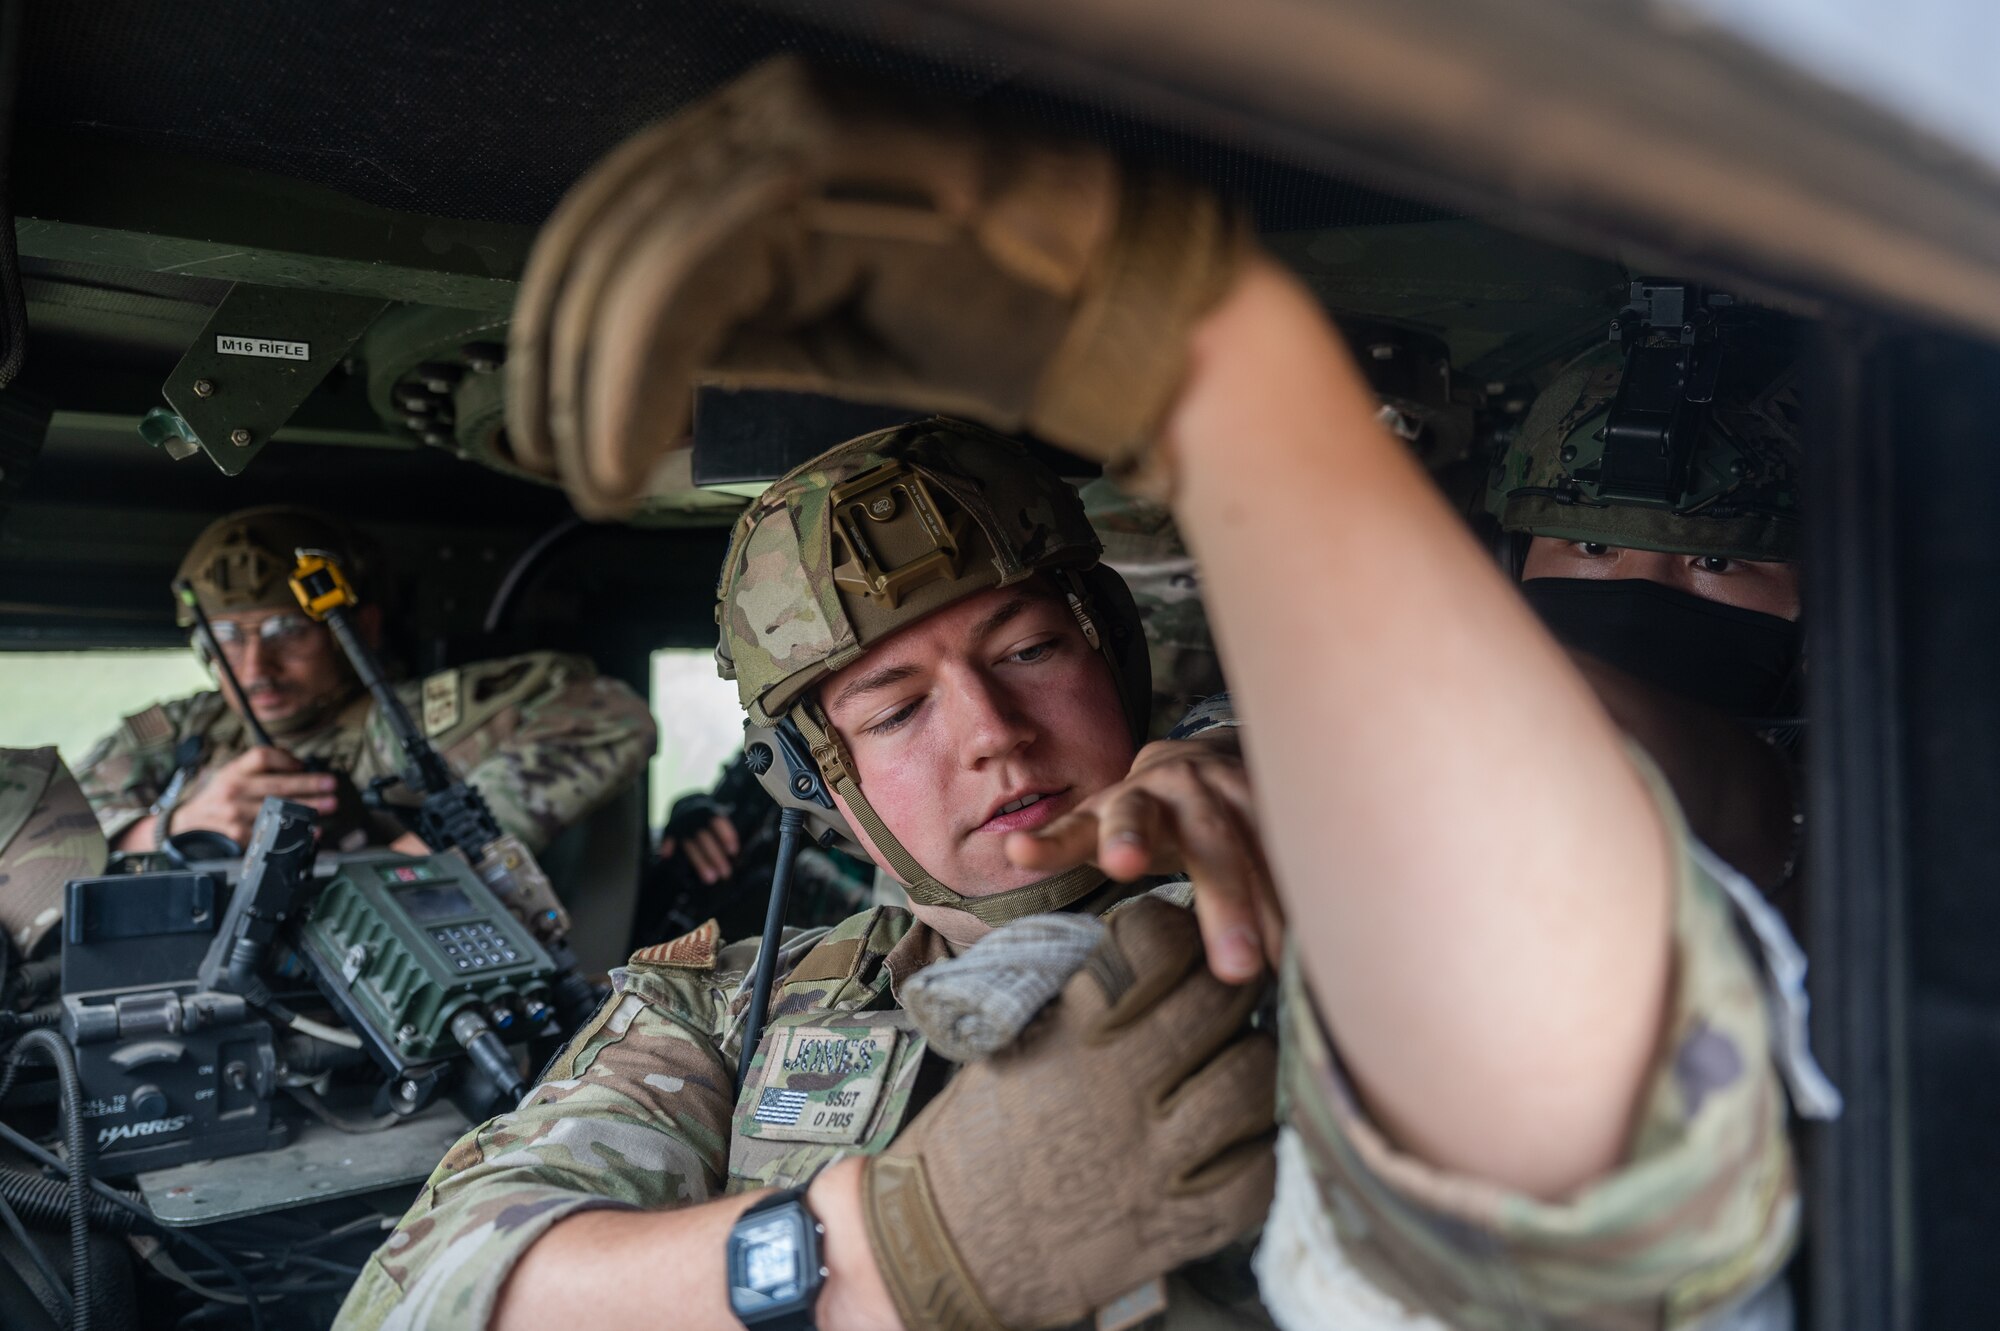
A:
[633, 1115]
[47, 837]
[565, 742]
[1691, 1230]
[124, 773]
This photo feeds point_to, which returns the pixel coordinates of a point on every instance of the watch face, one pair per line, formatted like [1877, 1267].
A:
[771, 1253]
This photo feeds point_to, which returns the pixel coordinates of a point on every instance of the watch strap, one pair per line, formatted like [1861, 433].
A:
[773, 1201]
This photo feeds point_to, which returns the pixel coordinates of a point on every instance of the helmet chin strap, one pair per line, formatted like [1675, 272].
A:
[1054, 893]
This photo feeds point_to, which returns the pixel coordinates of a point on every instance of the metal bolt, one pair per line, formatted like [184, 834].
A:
[406, 1034]
[416, 424]
[438, 376]
[484, 357]
[1495, 388]
[408, 1090]
[240, 437]
[802, 783]
[436, 438]
[204, 388]
[1383, 351]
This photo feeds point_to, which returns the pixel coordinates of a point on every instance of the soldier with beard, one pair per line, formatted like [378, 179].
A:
[544, 738]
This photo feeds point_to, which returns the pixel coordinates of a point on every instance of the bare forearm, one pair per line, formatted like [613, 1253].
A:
[639, 1264]
[139, 836]
[1477, 877]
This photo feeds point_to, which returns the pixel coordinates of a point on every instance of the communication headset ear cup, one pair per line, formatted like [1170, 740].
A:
[776, 773]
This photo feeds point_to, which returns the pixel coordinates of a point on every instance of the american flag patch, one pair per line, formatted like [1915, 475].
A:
[779, 1107]
[691, 951]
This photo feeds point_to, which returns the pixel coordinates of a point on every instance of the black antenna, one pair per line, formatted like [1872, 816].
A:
[790, 821]
[185, 590]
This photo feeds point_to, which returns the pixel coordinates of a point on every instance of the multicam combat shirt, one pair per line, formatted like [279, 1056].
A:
[641, 1112]
[543, 736]
[47, 837]
[1692, 1230]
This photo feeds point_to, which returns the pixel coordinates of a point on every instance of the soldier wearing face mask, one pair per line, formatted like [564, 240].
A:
[1682, 609]
[543, 736]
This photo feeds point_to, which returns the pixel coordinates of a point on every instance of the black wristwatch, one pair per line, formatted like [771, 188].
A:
[775, 1272]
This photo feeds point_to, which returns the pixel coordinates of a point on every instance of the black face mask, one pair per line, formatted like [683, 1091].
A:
[1738, 661]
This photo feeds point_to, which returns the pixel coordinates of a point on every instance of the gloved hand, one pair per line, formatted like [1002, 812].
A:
[1127, 1133]
[797, 232]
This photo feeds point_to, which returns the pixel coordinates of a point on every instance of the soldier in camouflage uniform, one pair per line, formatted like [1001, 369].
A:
[544, 737]
[1683, 615]
[1531, 1074]
[641, 1110]
[47, 837]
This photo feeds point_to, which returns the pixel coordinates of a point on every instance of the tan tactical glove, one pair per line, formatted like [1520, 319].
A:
[1125, 1134]
[795, 232]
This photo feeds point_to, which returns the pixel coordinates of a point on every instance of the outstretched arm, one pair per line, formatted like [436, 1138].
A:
[1477, 877]
[638, 1263]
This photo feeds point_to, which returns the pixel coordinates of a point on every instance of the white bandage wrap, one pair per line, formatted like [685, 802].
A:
[1304, 1276]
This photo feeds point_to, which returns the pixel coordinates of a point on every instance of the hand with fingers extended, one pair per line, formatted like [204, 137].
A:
[1126, 1133]
[227, 799]
[707, 841]
[1184, 808]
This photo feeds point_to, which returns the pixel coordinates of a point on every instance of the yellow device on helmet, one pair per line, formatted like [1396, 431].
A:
[320, 585]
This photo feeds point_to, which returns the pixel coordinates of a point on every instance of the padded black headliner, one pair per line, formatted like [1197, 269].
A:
[488, 111]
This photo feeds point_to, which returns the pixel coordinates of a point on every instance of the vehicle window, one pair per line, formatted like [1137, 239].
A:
[73, 699]
[701, 726]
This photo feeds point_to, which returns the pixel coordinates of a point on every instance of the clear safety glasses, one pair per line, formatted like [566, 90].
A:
[281, 635]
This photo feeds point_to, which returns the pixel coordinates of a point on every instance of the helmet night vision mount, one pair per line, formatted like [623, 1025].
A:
[1671, 333]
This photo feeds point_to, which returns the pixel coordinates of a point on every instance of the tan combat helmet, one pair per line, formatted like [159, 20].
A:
[1737, 499]
[869, 538]
[244, 561]
[48, 835]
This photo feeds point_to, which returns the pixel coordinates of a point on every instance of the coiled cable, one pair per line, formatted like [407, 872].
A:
[200, 1246]
[77, 1147]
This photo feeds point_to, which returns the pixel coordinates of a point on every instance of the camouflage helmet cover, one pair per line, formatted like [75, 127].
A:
[243, 561]
[1741, 496]
[821, 567]
[873, 536]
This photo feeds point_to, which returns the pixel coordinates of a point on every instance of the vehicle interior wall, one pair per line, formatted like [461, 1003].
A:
[1942, 395]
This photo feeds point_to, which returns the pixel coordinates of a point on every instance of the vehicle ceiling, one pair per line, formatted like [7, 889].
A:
[407, 152]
